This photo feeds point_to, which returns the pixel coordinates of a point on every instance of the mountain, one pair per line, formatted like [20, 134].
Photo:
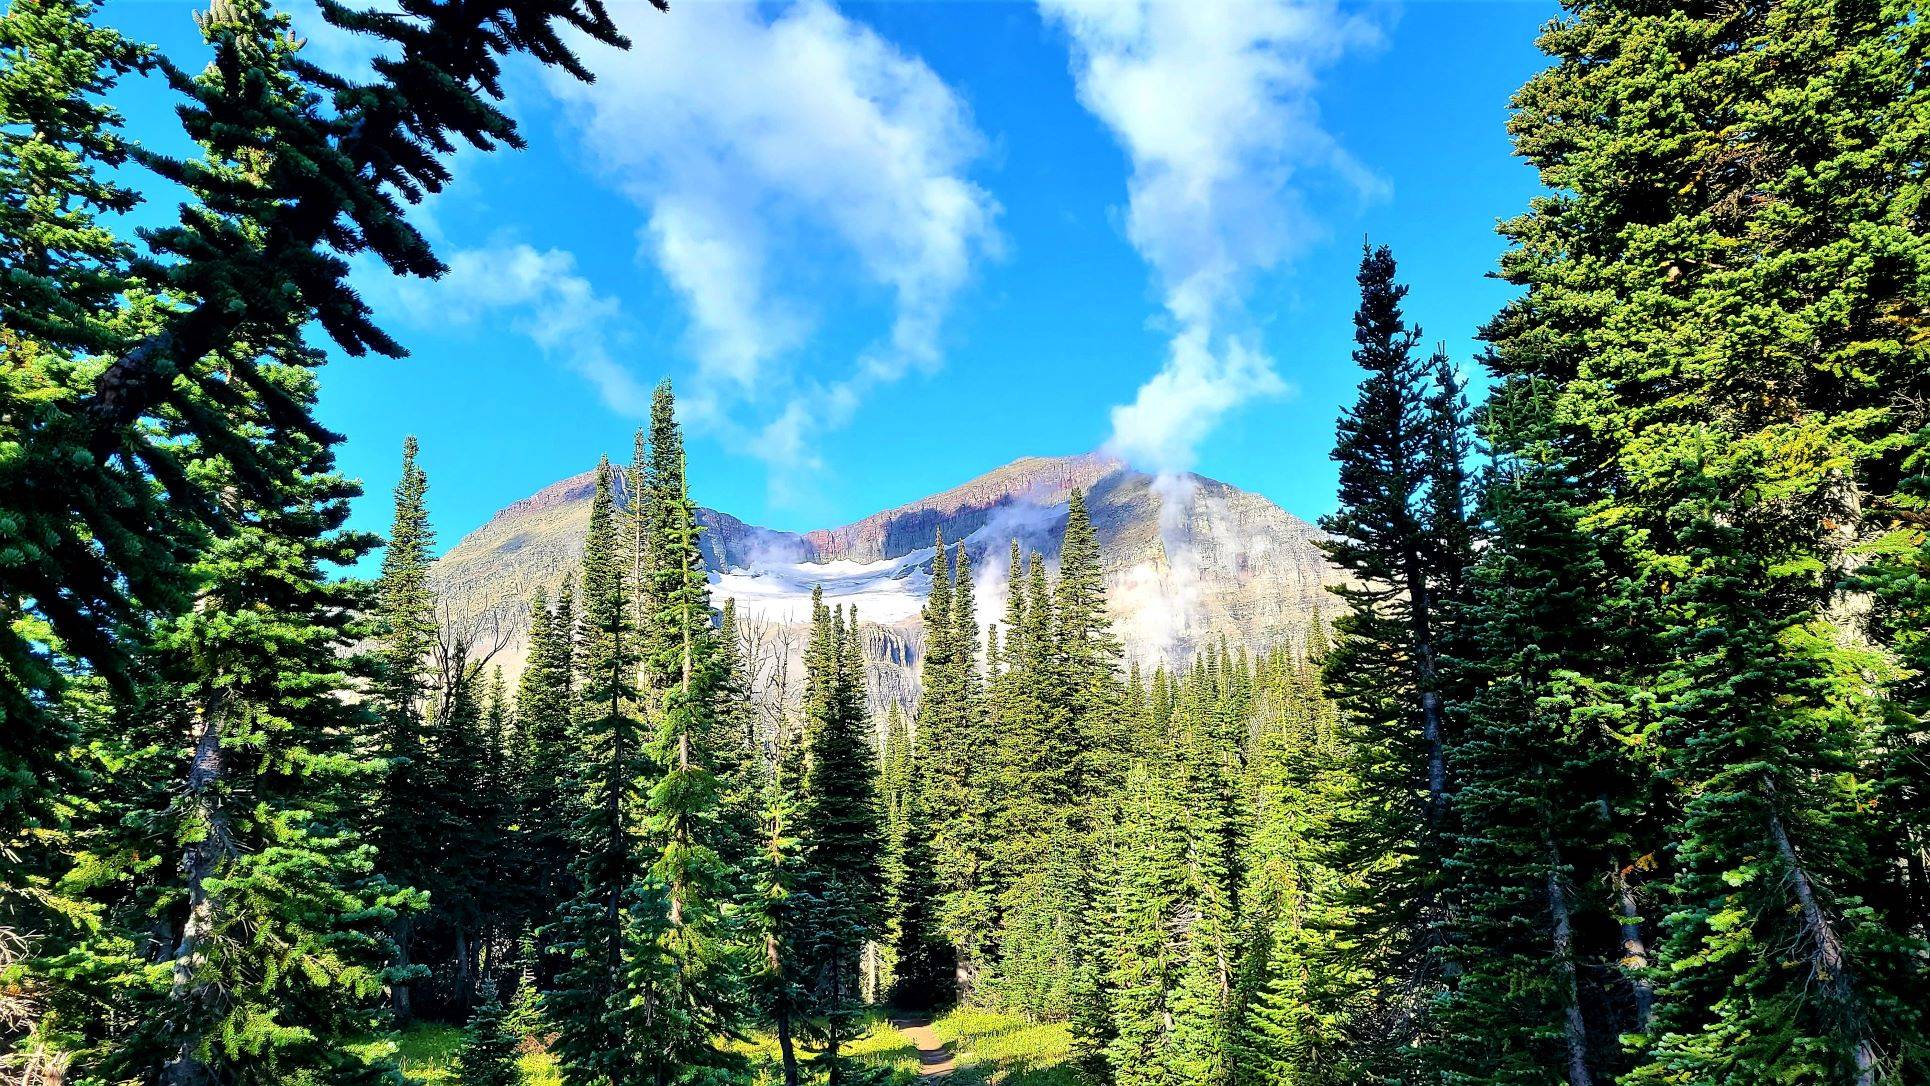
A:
[1187, 559]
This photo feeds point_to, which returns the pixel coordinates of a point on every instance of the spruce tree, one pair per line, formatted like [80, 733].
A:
[275, 960]
[1088, 653]
[546, 803]
[946, 846]
[1715, 202]
[1384, 669]
[465, 835]
[775, 912]
[687, 971]
[62, 583]
[1301, 974]
[489, 1046]
[407, 823]
[922, 964]
[1542, 793]
[1138, 930]
[840, 826]
[736, 753]
[604, 1031]
[498, 899]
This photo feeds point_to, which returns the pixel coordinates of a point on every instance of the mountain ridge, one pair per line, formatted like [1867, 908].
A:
[1188, 559]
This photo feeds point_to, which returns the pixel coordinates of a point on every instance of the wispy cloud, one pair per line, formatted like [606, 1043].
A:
[549, 301]
[1214, 104]
[786, 163]
[343, 52]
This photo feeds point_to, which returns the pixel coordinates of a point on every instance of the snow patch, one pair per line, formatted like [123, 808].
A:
[887, 591]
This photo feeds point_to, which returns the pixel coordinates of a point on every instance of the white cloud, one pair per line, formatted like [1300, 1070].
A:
[557, 308]
[344, 52]
[1214, 106]
[1179, 406]
[785, 165]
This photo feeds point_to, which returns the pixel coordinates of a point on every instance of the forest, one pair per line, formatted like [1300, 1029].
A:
[1608, 763]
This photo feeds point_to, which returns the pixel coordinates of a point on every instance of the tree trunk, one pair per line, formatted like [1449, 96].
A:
[1635, 950]
[399, 994]
[201, 862]
[679, 888]
[465, 974]
[784, 1047]
[833, 1034]
[1420, 618]
[1827, 959]
[1574, 1031]
[774, 960]
[1436, 755]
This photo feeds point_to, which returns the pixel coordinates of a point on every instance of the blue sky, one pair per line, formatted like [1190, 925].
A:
[881, 248]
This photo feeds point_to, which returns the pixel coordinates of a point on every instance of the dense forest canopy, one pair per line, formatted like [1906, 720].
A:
[1608, 763]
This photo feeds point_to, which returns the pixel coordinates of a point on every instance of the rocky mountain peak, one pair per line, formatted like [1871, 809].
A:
[1188, 559]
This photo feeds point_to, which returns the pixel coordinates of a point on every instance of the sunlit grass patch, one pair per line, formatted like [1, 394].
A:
[1006, 1050]
[879, 1048]
[426, 1054]
[426, 1051]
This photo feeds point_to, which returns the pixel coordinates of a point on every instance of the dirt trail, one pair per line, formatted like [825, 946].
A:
[933, 1057]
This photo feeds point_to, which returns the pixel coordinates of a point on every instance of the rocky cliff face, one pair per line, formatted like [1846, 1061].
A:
[1188, 560]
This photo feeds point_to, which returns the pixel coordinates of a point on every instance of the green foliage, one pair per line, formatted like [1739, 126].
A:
[547, 803]
[488, 1055]
[842, 884]
[186, 777]
[410, 817]
[1402, 533]
[603, 927]
[1720, 323]
[1612, 771]
[62, 276]
[686, 971]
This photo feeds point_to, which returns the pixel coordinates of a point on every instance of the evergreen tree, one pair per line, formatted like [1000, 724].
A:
[499, 900]
[604, 1032]
[922, 964]
[944, 911]
[268, 924]
[687, 971]
[407, 821]
[736, 756]
[488, 1054]
[840, 826]
[59, 303]
[464, 835]
[1088, 653]
[1384, 669]
[1898, 581]
[1542, 793]
[245, 264]
[1729, 255]
[1300, 973]
[274, 962]
[1139, 931]
[776, 914]
[201, 359]
[546, 803]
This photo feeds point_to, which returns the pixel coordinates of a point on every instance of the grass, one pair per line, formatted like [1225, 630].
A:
[992, 1049]
[426, 1052]
[880, 1048]
[1005, 1050]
